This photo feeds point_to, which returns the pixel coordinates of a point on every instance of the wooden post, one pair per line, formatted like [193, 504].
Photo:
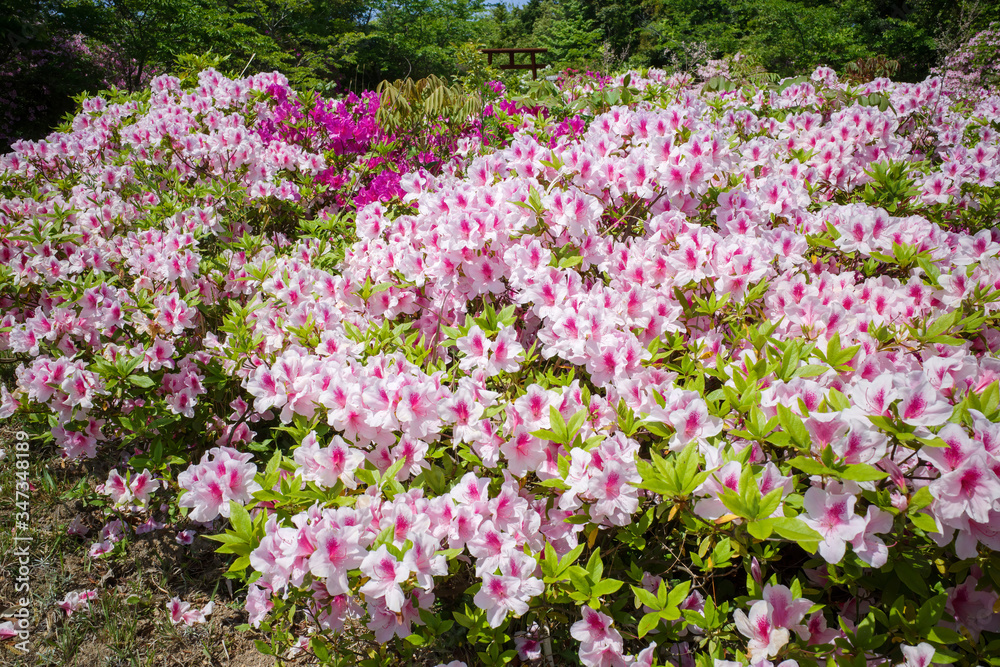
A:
[510, 60]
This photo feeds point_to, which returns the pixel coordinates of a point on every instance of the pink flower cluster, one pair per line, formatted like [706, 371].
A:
[329, 543]
[619, 273]
[482, 235]
[125, 492]
[601, 645]
[223, 475]
[972, 69]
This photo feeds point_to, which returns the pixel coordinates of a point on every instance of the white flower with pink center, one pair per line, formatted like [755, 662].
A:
[832, 516]
[77, 601]
[970, 490]
[181, 612]
[337, 551]
[385, 574]
[766, 639]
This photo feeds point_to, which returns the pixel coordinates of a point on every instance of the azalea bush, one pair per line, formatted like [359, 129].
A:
[39, 79]
[973, 67]
[636, 372]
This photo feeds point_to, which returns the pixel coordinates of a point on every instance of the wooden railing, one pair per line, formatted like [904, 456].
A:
[512, 52]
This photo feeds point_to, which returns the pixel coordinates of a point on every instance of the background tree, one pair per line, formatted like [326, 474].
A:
[51, 50]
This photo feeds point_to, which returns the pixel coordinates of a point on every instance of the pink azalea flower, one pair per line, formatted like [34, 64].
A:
[388, 624]
[385, 574]
[614, 492]
[476, 348]
[603, 655]
[77, 601]
[337, 551]
[868, 547]
[499, 595]
[969, 490]
[258, 604]
[327, 465]
[693, 424]
[98, 549]
[142, 486]
[765, 638]
[923, 405]
[921, 655]
[463, 412]
[595, 628]
[423, 560]
[181, 612]
[268, 389]
[528, 645]
[973, 609]
[646, 656]
[490, 547]
[117, 488]
[819, 633]
[786, 611]
[77, 527]
[222, 475]
[148, 526]
[832, 516]
[507, 353]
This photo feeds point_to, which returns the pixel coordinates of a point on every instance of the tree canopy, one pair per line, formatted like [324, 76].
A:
[339, 45]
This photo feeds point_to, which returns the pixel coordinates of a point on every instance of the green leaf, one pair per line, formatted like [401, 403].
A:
[862, 472]
[989, 400]
[793, 426]
[143, 381]
[762, 529]
[945, 636]
[644, 597]
[240, 564]
[226, 538]
[648, 622]
[606, 587]
[924, 522]
[919, 500]
[811, 466]
[580, 582]
[686, 469]
[595, 567]
[736, 505]
[678, 594]
[911, 578]
[576, 422]
[930, 611]
[770, 502]
[240, 520]
[810, 370]
[792, 528]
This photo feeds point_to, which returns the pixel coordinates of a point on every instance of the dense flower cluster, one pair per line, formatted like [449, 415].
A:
[973, 68]
[699, 331]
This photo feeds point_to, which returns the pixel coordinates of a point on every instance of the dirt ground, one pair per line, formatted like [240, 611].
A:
[128, 624]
